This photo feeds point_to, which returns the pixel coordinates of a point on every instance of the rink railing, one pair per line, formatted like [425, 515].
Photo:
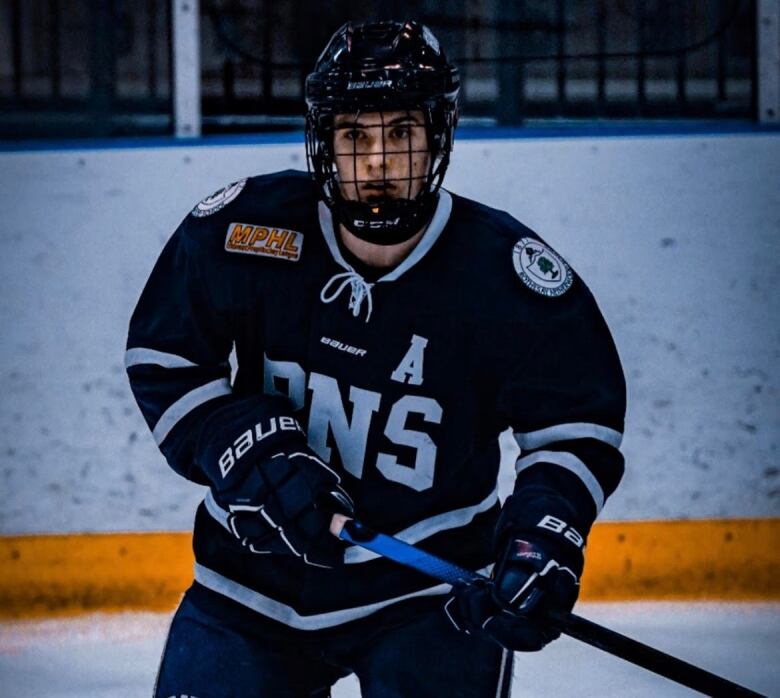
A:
[104, 68]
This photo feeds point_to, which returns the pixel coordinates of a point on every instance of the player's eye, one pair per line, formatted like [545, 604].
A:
[352, 134]
[401, 132]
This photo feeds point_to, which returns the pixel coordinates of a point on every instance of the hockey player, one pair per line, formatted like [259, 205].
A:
[385, 332]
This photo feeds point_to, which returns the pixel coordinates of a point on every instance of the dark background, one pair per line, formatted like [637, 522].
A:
[102, 67]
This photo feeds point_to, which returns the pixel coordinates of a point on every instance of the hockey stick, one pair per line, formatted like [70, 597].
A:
[575, 626]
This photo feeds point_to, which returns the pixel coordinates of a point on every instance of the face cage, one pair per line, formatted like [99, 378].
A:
[385, 221]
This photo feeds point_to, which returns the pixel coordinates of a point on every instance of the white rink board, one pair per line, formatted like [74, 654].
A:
[117, 656]
[679, 238]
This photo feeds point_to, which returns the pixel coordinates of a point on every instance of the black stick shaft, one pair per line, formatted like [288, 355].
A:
[650, 658]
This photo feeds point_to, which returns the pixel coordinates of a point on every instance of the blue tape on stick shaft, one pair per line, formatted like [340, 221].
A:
[405, 554]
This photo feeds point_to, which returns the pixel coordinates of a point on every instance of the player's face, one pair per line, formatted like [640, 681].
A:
[381, 155]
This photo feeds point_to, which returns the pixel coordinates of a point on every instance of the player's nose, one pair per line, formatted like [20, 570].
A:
[375, 158]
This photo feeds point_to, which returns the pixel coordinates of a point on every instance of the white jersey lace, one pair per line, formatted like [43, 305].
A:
[359, 287]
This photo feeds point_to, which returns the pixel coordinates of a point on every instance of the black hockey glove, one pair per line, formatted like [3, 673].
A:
[537, 577]
[268, 479]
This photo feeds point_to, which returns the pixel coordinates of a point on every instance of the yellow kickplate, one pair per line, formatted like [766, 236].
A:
[76, 573]
[724, 559]
[719, 559]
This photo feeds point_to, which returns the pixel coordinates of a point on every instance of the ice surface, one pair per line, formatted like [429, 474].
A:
[116, 656]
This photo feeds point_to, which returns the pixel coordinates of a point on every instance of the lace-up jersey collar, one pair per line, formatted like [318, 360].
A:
[360, 289]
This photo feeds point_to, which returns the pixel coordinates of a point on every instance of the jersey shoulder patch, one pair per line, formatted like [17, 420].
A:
[219, 199]
[265, 241]
[540, 268]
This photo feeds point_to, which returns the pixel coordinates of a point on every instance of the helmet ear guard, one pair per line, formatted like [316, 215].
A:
[381, 67]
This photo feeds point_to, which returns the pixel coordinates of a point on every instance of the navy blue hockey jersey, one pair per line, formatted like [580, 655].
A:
[402, 384]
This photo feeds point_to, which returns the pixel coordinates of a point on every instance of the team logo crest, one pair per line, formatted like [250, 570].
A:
[541, 269]
[218, 200]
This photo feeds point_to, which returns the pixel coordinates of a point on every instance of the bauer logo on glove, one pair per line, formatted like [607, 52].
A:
[252, 436]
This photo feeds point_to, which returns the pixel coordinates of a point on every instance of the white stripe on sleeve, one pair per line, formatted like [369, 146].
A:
[139, 356]
[188, 402]
[566, 432]
[571, 463]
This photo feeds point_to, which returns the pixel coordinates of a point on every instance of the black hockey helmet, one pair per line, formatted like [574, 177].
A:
[380, 67]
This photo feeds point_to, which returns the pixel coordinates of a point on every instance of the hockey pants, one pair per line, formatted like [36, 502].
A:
[207, 657]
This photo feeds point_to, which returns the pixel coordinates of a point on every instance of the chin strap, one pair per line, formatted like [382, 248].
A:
[360, 291]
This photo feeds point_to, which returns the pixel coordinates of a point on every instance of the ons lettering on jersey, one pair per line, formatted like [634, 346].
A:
[247, 238]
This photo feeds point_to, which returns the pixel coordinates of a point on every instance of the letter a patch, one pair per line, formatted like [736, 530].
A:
[410, 370]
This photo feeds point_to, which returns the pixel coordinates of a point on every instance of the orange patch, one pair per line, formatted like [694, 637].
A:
[261, 240]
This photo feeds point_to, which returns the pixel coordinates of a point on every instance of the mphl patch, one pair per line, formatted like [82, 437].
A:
[218, 200]
[541, 269]
[265, 241]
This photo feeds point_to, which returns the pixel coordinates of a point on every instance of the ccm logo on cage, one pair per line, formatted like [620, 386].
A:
[269, 242]
[252, 436]
[376, 224]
